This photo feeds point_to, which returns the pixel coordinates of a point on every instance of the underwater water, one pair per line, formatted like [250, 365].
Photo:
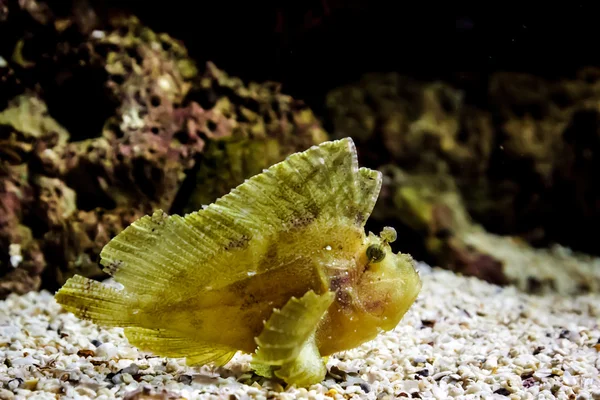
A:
[339, 200]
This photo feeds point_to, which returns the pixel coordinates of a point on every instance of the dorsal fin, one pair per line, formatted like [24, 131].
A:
[322, 183]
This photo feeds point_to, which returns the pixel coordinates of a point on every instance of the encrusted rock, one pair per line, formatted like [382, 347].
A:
[525, 158]
[431, 205]
[265, 126]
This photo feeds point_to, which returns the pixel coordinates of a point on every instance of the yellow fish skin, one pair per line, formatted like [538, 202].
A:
[280, 268]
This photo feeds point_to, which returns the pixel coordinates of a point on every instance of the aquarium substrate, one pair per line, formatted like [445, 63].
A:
[463, 338]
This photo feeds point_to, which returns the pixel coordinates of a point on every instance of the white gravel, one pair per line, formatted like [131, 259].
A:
[463, 338]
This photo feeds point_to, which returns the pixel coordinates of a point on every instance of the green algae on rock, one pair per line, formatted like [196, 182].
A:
[265, 126]
[523, 150]
[287, 247]
[431, 205]
[25, 128]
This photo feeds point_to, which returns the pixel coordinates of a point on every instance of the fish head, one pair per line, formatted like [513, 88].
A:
[389, 282]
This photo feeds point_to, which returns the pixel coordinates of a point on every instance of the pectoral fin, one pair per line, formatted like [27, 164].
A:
[287, 344]
[307, 368]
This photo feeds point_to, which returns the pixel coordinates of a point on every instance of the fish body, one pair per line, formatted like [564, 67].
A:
[280, 267]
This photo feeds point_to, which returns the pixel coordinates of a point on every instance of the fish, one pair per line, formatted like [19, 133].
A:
[280, 268]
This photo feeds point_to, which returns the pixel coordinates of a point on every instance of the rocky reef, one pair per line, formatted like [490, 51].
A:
[148, 129]
[524, 154]
[430, 207]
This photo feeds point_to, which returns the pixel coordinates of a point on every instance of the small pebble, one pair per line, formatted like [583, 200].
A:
[132, 369]
[502, 392]
[106, 351]
[14, 384]
[6, 394]
[126, 378]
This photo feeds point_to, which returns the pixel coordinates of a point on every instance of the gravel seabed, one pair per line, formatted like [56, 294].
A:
[463, 338]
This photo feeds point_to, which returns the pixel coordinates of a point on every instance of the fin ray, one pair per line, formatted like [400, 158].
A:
[369, 186]
[323, 182]
[166, 343]
[92, 300]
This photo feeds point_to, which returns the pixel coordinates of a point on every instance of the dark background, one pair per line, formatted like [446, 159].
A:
[312, 46]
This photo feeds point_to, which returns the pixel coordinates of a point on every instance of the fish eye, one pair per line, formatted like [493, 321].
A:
[375, 253]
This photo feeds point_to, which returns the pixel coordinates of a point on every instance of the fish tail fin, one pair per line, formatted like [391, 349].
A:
[92, 300]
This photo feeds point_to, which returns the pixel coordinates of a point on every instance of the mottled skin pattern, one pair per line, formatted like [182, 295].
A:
[281, 267]
[371, 297]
